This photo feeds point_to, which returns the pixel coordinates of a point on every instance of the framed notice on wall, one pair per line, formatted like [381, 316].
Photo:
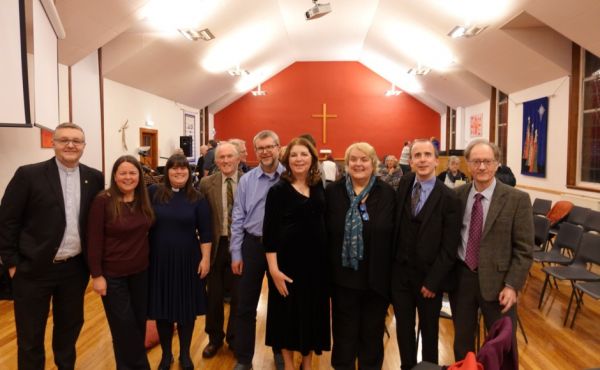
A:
[189, 129]
[476, 123]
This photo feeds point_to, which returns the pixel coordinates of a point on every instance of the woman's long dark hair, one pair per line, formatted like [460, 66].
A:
[164, 192]
[314, 175]
[141, 201]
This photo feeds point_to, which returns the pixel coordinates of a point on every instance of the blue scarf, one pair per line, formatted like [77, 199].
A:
[353, 246]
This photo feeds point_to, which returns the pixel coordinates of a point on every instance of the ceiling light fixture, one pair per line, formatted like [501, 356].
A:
[393, 91]
[258, 91]
[465, 31]
[419, 70]
[195, 35]
[317, 10]
[237, 71]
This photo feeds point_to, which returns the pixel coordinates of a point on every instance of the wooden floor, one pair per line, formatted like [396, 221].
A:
[551, 346]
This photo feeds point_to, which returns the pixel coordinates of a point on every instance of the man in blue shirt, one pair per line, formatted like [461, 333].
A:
[247, 252]
[426, 240]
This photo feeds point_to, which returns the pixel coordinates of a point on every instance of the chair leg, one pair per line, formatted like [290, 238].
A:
[579, 298]
[543, 290]
[522, 329]
[478, 332]
[570, 303]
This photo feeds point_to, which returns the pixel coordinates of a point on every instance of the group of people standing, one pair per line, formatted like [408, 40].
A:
[335, 256]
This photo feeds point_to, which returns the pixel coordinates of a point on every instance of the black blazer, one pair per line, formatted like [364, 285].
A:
[381, 208]
[32, 215]
[433, 255]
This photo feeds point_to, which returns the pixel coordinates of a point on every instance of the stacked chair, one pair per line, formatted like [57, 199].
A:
[588, 252]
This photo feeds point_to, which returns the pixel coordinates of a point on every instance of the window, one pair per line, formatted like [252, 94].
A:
[501, 137]
[589, 144]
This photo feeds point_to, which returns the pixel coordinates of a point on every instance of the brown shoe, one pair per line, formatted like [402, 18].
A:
[211, 350]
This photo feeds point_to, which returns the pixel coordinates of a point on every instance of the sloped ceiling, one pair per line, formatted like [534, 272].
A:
[526, 42]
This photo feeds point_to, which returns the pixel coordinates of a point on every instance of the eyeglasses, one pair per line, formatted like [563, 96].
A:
[478, 162]
[263, 149]
[64, 141]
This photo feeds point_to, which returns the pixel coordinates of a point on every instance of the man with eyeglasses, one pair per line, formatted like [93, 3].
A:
[495, 252]
[43, 218]
[426, 239]
[247, 252]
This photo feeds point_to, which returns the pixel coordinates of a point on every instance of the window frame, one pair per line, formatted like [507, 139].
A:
[575, 124]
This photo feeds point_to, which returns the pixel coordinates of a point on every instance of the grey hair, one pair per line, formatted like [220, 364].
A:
[265, 134]
[476, 142]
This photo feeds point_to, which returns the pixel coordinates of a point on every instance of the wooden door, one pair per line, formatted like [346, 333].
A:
[149, 138]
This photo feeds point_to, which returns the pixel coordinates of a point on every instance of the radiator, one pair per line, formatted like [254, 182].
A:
[582, 201]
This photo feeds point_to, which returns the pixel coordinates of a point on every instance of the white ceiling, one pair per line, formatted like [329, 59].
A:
[527, 42]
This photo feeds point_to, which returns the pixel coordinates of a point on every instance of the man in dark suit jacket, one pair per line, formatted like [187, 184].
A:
[43, 218]
[496, 254]
[426, 239]
[214, 188]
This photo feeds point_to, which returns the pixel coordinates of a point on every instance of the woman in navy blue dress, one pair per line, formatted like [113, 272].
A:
[179, 259]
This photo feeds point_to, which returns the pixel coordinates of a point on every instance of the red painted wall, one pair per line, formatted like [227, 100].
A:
[350, 90]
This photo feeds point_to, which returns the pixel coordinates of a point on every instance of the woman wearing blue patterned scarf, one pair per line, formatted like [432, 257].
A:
[359, 218]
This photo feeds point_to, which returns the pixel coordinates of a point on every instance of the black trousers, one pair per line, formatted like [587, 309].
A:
[125, 304]
[406, 298]
[64, 284]
[216, 281]
[465, 300]
[358, 318]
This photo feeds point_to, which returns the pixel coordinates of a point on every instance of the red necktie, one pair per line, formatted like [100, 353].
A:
[475, 231]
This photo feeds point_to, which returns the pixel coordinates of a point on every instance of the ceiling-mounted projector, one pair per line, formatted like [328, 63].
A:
[317, 11]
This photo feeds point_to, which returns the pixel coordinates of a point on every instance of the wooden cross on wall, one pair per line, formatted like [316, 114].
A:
[123, 136]
[324, 116]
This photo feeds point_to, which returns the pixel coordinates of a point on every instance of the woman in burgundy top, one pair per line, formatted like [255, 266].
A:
[118, 250]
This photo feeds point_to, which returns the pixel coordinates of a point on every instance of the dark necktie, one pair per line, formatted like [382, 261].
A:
[416, 195]
[229, 181]
[475, 231]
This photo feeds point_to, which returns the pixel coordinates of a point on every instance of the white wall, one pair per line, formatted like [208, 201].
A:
[558, 118]
[63, 92]
[122, 103]
[85, 100]
[20, 146]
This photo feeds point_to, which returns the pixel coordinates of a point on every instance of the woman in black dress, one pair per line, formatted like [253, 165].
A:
[180, 243]
[360, 219]
[295, 245]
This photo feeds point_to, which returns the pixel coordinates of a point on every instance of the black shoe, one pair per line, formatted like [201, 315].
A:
[239, 366]
[165, 362]
[186, 363]
[211, 350]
